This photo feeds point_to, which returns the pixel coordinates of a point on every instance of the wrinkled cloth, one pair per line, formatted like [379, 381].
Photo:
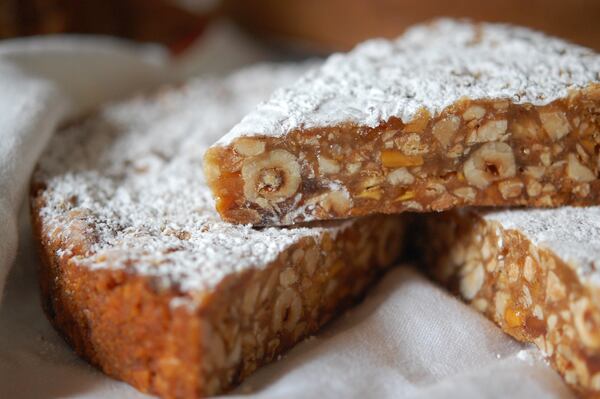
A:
[407, 339]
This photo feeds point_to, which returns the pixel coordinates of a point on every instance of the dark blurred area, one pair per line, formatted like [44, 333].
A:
[159, 21]
[314, 26]
[340, 24]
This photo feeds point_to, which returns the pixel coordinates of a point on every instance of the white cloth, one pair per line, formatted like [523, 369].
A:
[408, 339]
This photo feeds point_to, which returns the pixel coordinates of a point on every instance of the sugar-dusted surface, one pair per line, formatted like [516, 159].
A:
[571, 233]
[132, 173]
[430, 67]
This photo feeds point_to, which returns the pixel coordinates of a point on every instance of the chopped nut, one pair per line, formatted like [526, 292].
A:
[371, 182]
[352, 168]
[212, 171]
[400, 176]
[525, 129]
[555, 123]
[595, 382]
[327, 166]
[582, 190]
[490, 162]
[538, 312]
[411, 205]
[587, 323]
[388, 135]
[582, 153]
[555, 290]
[548, 188]
[471, 283]
[288, 277]
[215, 346]
[500, 301]
[552, 320]
[546, 157]
[311, 258]
[534, 188]
[250, 297]
[577, 171]
[434, 189]
[536, 172]
[526, 297]
[410, 144]
[396, 159]
[529, 269]
[249, 147]
[445, 129]
[455, 151]
[510, 188]
[287, 311]
[336, 201]
[480, 304]
[466, 193]
[513, 272]
[491, 131]
[274, 176]
[474, 112]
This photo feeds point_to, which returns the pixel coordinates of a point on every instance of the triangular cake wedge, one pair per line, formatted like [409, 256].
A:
[142, 276]
[449, 114]
[534, 272]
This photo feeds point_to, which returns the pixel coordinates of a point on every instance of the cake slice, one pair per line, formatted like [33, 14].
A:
[449, 114]
[145, 280]
[534, 272]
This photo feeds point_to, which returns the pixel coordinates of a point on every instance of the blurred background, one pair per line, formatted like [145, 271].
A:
[314, 27]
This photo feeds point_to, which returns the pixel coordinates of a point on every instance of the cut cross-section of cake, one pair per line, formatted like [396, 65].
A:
[143, 277]
[536, 273]
[451, 113]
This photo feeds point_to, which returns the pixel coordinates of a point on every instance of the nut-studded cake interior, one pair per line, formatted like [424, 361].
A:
[534, 272]
[482, 152]
[448, 114]
[146, 280]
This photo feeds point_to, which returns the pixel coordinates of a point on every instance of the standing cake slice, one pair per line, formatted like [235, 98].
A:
[142, 276]
[536, 273]
[449, 114]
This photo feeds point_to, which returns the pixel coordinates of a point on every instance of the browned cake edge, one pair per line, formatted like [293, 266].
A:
[126, 325]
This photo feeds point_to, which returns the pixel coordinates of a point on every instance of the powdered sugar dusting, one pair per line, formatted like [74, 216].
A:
[431, 67]
[132, 174]
[571, 233]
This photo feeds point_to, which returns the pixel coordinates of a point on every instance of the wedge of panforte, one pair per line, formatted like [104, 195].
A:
[449, 114]
[144, 279]
[534, 272]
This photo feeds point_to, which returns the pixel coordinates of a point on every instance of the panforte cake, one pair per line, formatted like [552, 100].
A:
[449, 114]
[143, 278]
[534, 272]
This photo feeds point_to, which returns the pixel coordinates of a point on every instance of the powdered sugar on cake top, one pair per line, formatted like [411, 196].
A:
[430, 66]
[132, 176]
[573, 234]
